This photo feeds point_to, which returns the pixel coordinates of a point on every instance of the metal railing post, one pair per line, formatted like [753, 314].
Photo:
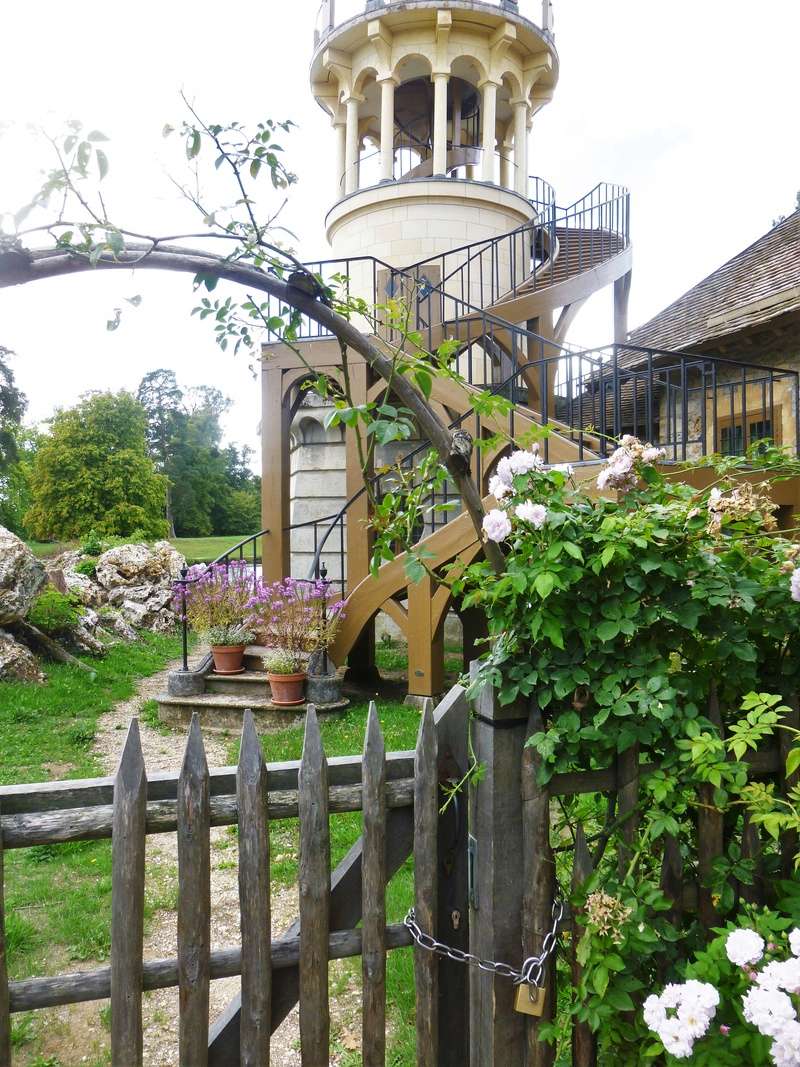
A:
[184, 624]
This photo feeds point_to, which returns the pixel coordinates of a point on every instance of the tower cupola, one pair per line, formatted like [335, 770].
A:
[431, 103]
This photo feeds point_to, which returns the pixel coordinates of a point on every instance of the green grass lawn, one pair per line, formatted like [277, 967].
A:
[58, 898]
[195, 549]
[207, 549]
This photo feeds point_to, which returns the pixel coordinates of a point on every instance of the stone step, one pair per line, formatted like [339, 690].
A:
[218, 711]
[254, 656]
[250, 684]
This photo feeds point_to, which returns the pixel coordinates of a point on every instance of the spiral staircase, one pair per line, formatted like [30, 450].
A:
[496, 299]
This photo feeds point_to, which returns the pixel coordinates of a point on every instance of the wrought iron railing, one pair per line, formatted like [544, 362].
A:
[602, 394]
[560, 243]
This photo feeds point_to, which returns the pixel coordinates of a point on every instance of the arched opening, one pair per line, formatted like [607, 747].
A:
[414, 128]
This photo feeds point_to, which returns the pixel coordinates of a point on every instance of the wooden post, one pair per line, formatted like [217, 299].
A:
[373, 959]
[751, 850]
[425, 644]
[315, 887]
[584, 1042]
[275, 547]
[361, 658]
[451, 719]
[5, 1014]
[627, 800]
[254, 899]
[426, 817]
[710, 826]
[539, 882]
[672, 877]
[786, 740]
[497, 1032]
[194, 901]
[127, 902]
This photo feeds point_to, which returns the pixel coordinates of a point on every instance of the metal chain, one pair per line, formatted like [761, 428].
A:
[532, 969]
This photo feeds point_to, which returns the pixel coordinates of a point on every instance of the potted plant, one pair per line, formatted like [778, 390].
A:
[298, 618]
[216, 606]
[286, 675]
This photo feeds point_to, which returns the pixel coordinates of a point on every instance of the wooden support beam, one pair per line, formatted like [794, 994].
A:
[425, 641]
[275, 516]
[622, 292]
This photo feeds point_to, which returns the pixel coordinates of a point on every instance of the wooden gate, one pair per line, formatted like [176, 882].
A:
[398, 794]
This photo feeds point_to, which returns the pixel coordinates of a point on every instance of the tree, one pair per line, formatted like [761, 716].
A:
[12, 407]
[92, 471]
[15, 488]
[210, 489]
[162, 399]
[84, 238]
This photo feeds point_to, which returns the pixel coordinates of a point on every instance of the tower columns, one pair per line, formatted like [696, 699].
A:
[489, 123]
[340, 130]
[440, 82]
[521, 145]
[387, 128]
[351, 144]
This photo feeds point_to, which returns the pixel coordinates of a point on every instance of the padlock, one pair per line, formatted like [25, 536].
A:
[529, 999]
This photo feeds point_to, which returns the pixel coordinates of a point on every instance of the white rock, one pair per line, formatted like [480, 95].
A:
[82, 586]
[21, 577]
[114, 622]
[138, 565]
[17, 663]
[135, 614]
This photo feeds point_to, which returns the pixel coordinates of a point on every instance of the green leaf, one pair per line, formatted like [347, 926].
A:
[425, 383]
[600, 980]
[792, 761]
[608, 630]
[544, 583]
[193, 144]
[96, 135]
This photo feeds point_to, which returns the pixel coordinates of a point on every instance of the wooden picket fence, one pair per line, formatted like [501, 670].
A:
[485, 881]
[398, 794]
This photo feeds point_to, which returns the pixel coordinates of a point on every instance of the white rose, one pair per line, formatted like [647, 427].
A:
[743, 947]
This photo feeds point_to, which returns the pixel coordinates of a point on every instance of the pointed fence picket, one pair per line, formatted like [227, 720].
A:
[252, 792]
[5, 1010]
[373, 881]
[127, 897]
[129, 806]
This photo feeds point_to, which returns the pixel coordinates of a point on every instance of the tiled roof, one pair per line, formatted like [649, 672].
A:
[757, 285]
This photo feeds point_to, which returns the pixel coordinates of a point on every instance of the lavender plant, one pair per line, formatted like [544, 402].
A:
[216, 602]
[295, 616]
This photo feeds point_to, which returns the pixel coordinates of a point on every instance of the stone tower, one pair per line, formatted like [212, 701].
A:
[431, 103]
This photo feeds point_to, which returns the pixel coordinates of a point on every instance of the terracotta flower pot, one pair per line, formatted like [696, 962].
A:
[228, 659]
[287, 689]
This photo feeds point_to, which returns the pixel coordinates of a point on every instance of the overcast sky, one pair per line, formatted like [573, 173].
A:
[694, 106]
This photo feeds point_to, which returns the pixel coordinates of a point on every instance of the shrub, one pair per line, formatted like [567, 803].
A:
[216, 597]
[284, 662]
[53, 612]
[87, 567]
[94, 544]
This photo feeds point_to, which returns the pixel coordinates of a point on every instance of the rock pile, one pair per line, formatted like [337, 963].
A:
[131, 590]
[132, 586]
